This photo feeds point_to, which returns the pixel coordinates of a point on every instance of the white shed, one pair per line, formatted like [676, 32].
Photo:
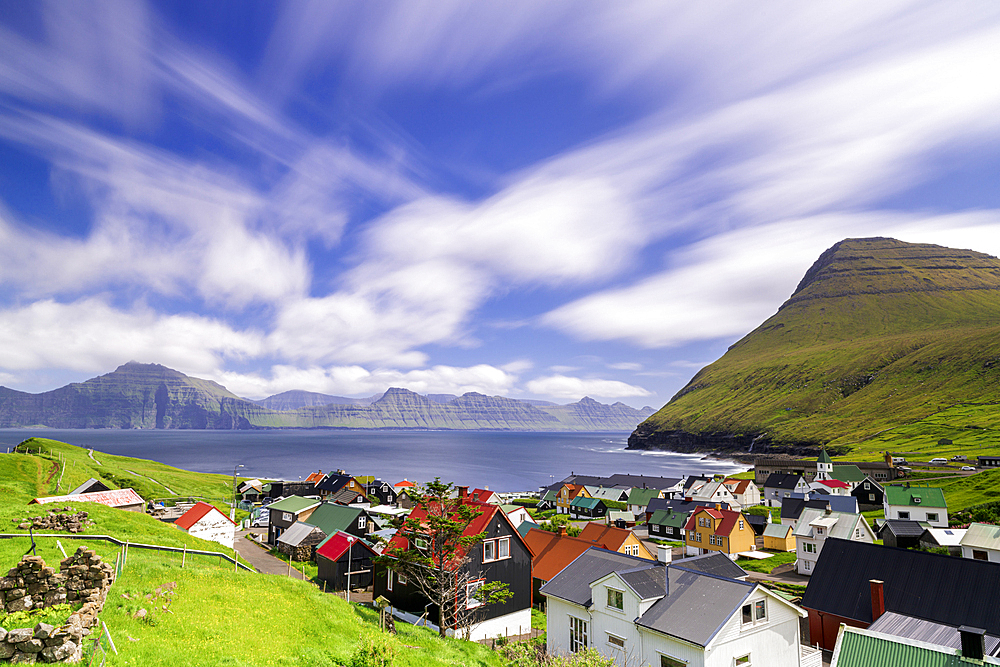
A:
[207, 522]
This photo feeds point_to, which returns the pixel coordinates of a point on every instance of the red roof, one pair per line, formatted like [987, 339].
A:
[725, 527]
[316, 477]
[737, 485]
[405, 483]
[552, 552]
[610, 537]
[196, 514]
[834, 483]
[334, 547]
[481, 495]
[476, 526]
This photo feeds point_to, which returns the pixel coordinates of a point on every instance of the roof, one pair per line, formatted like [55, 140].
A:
[924, 496]
[903, 528]
[552, 552]
[777, 530]
[642, 497]
[677, 505]
[196, 514]
[950, 589]
[606, 493]
[834, 483]
[331, 517]
[982, 536]
[90, 486]
[297, 532]
[334, 546]
[112, 498]
[824, 457]
[623, 515]
[572, 582]
[525, 526]
[346, 496]
[782, 480]
[945, 537]
[333, 482]
[757, 522]
[725, 527]
[404, 484]
[315, 477]
[293, 504]
[864, 648]
[482, 495]
[587, 503]
[848, 473]
[839, 524]
[909, 627]
[609, 537]
[791, 508]
[668, 517]
[620, 480]
[715, 562]
[737, 486]
[697, 607]
[550, 496]
[474, 527]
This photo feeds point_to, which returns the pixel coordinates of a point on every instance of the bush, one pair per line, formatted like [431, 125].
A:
[375, 649]
[757, 510]
[523, 654]
[944, 442]
[557, 522]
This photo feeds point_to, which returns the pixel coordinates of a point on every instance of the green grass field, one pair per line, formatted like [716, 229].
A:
[765, 565]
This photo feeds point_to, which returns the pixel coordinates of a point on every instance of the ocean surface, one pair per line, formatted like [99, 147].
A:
[502, 461]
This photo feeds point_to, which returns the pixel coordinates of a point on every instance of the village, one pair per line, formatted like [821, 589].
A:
[797, 562]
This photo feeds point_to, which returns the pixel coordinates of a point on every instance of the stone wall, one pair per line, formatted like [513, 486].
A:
[53, 520]
[83, 577]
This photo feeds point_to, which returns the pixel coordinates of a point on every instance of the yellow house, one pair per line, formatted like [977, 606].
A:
[567, 494]
[715, 529]
[622, 540]
[779, 537]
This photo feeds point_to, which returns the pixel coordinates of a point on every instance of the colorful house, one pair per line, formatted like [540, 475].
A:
[916, 503]
[207, 522]
[340, 554]
[715, 529]
[617, 539]
[779, 537]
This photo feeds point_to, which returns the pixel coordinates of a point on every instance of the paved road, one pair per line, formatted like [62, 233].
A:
[257, 556]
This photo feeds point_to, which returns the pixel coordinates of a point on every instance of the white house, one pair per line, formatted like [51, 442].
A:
[689, 613]
[714, 492]
[981, 542]
[916, 503]
[779, 486]
[833, 487]
[815, 526]
[516, 513]
[746, 492]
[207, 522]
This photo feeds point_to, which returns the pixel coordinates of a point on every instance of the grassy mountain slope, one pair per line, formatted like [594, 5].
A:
[878, 334]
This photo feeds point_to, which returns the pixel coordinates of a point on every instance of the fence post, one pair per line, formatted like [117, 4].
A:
[184, 556]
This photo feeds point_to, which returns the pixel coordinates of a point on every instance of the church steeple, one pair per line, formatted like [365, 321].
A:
[824, 466]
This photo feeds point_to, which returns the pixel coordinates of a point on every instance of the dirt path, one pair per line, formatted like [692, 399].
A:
[262, 561]
[90, 453]
[153, 481]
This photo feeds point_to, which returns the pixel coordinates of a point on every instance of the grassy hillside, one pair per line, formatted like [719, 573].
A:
[204, 614]
[879, 334]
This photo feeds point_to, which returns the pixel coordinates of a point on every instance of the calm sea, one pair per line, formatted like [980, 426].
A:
[502, 461]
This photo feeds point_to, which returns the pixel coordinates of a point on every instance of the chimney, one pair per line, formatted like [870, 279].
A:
[973, 643]
[664, 554]
[829, 508]
[878, 599]
[718, 506]
[562, 530]
[666, 580]
[463, 491]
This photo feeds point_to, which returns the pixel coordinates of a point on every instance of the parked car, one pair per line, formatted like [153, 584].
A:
[939, 459]
[262, 521]
[968, 468]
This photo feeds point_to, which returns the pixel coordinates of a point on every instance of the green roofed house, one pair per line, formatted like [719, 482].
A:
[916, 503]
[848, 473]
[639, 498]
[548, 501]
[667, 524]
[332, 517]
[587, 508]
[287, 511]
[857, 647]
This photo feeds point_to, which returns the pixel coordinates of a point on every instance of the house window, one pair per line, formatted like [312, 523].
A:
[871, 497]
[286, 516]
[904, 515]
[616, 599]
[388, 580]
[400, 579]
[421, 543]
[741, 524]
[809, 547]
[503, 548]
[754, 612]
[819, 530]
[867, 486]
[471, 601]
[489, 551]
[362, 522]
[807, 565]
[932, 516]
[857, 532]
[667, 661]
[616, 641]
[577, 634]
[743, 661]
[979, 555]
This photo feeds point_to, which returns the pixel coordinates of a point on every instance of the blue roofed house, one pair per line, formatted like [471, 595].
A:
[697, 611]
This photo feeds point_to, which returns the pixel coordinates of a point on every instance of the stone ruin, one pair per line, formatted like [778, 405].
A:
[73, 523]
[83, 577]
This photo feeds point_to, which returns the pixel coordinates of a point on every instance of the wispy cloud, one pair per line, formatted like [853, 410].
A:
[573, 388]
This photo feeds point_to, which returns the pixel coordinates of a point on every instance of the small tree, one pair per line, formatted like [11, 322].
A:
[436, 555]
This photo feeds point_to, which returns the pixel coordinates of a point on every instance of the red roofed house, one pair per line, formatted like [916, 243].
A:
[123, 499]
[207, 522]
[342, 553]
[612, 538]
[501, 556]
[405, 484]
[485, 496]
[834, 487]
[316, 477]
[715, 529]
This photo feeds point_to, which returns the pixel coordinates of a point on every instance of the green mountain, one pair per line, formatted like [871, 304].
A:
[879, 334]
[152, 396]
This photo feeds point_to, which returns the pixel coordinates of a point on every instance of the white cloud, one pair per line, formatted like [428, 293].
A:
[626, 366]
[90, 335]
[563, 387]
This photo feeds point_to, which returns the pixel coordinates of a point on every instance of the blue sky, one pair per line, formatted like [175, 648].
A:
[533, 199]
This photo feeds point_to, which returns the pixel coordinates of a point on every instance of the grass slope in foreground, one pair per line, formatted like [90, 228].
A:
[213, 616]
[878, 334]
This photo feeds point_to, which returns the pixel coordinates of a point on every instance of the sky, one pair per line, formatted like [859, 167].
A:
[543, 200]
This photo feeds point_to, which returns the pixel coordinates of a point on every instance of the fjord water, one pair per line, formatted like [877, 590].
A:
[504, 461]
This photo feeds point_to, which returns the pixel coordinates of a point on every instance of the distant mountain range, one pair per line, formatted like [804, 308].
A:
[156, 397]
[878, 334]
